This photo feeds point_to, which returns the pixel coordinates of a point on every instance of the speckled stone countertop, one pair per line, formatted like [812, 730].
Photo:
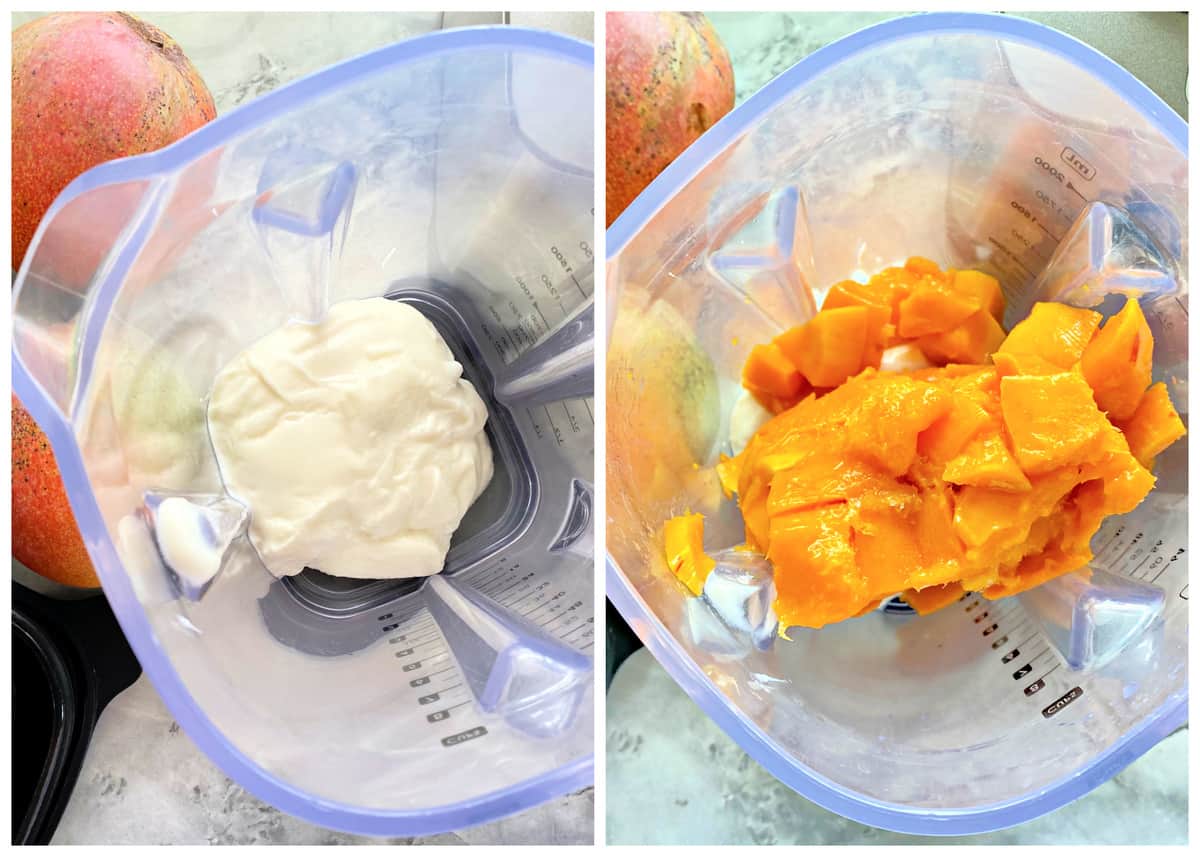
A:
[144, 781]
[672, 775]
[1150, 45]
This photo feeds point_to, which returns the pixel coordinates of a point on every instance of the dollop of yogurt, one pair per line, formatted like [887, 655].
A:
[355, 442]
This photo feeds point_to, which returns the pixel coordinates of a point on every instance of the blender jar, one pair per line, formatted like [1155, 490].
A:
[451, 171]
[978, 141]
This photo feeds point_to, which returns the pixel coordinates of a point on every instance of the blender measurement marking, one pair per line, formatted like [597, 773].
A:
[562, 261]
[460, 737]
[1140, 562]
[558, 435]
[1073, 160]
[1044, 658]
[517, 592]
[1062, 702]
[420, 633]
[571, 418]
[1011, 255]
[1032, 218]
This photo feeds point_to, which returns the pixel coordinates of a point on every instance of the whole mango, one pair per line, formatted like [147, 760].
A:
[88, 87]
[668, 80]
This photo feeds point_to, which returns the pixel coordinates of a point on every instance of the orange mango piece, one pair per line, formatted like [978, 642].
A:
[889, 413]
[881, 320]
[830, 347]
[932, 309]
[752, 500]
[683, 538]
[933, 598]
[1052, 419]
[1129, 487]
[892, 285]
[946, 436]
[871, 606]
[1008, 363]
[971, 341]
[983, 289]
[941, 550]
[880, 333]
[817, 481]
[885, 542]
[1116, 363]
[1154, 425]
[934, 482]
[1037, 569]
[983, 515]
[1056, 333]
[728, 471]
[921, 266]
[988, 520]
[851, 293]
[817, 580]
[986, 462]
[771, 377]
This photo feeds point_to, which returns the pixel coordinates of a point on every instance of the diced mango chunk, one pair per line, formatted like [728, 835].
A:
[1052, 419]
[1116, 363]
[921, 266]
[823, 580]
[984, 289]
[772, 378]
[830, 347]
[728, 470]
[971, 341]
[933, 598]
[851, 293]
[1054, 332]
[885, 542]
[1036, 569]
[893, 284]
[1153, 426]
[683, 538]
[946, 436]
[931, 308]
[1008, 363]
[986, 462]
[887, 416]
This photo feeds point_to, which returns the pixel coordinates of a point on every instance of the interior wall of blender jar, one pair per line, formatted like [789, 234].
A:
[513, 220]
[204, 287]
[345, 728]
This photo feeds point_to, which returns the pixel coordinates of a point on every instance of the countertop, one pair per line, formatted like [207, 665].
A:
[672, 775]
[1150, 45]
[144, 781]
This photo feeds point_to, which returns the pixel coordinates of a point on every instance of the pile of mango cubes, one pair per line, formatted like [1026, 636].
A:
[986, 465]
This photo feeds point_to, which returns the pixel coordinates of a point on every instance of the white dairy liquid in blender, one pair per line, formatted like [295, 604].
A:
[355, 442]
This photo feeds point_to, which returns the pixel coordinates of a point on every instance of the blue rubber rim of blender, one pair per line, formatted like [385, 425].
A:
[655, 636]
[572, 776]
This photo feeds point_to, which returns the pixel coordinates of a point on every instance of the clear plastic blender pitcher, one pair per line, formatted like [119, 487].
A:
[453, 172]
[978, 141]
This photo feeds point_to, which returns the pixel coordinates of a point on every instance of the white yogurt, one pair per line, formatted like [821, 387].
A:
[356, 443]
